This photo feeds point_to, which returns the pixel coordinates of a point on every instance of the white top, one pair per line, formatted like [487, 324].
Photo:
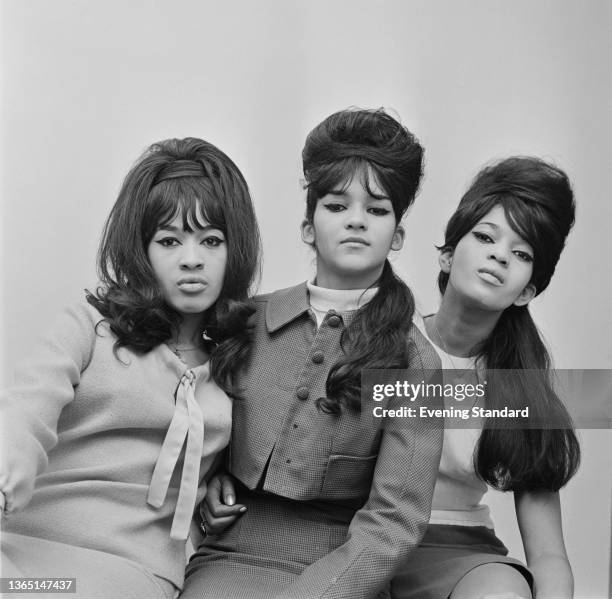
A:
[322, 300]
[458, 491]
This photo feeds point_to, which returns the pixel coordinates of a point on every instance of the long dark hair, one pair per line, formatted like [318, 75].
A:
[187, 177]
[335, 150]
[538, 202]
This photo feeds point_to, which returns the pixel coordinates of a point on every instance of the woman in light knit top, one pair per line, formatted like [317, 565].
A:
[500, 250]
[120, 410]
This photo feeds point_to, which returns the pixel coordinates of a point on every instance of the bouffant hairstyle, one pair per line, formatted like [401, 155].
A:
[538, 202]
[366, 143]
[193, 179]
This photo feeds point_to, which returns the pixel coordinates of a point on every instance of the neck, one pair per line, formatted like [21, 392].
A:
[346, 280]
[459, 328]
[189, 331]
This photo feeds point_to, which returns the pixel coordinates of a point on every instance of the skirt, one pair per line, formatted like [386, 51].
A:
[446, 554]
[266, 549]
[95, 574]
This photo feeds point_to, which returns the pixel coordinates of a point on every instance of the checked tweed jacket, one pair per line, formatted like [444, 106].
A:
[282, 445]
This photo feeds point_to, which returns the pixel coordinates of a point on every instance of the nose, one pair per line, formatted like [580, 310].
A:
[499, 254]
[356, 218]
[191, 257]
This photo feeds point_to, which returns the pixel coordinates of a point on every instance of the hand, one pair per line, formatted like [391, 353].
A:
[219, 508]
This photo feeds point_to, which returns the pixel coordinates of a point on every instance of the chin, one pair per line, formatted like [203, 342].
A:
[479, 301]
[192, 308]
[356, 267]
[492, 306]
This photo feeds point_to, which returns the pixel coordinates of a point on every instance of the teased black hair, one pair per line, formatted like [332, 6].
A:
[335, 150]
[538, 201]
[192, 178]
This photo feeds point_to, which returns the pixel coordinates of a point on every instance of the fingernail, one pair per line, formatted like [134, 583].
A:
[231, 500]
[242, 510]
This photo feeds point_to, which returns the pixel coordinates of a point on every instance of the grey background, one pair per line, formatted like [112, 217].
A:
[88, 84]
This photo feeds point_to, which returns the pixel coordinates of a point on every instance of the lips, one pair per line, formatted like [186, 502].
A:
[360, 240]
[491, 276]
[191, 284]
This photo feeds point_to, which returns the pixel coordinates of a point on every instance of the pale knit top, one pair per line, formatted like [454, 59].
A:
[458, 492]
[111, 443]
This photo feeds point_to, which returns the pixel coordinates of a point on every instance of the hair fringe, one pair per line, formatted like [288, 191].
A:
[335, 150]
[179, 176]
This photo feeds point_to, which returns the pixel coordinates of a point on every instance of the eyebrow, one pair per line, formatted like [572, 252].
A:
[173, 229]
[492, 225]
[342, 192]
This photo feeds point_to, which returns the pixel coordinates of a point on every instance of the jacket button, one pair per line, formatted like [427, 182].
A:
[334, 321]
[302, 393]
[317, 357]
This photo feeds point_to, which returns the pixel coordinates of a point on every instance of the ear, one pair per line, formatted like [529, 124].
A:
[398, 238]
[445, 259]
[308, 232]
[526, 295]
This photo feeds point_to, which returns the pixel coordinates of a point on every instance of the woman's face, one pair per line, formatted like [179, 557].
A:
[352, 231]
[491, 265]
[189, 266]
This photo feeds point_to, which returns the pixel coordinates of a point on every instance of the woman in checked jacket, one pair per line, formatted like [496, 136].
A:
[331, 502]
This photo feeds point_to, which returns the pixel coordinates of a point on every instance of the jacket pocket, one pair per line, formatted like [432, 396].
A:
[348, 477]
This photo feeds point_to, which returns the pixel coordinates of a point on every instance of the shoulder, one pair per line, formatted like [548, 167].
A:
[83, 311]
[281, 307]
[260, 303]
[280, 294]
[422, 353]
[80, 325]
[83, 319]
[67, 343]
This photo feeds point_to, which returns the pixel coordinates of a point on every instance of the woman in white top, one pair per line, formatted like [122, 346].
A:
[500, 250]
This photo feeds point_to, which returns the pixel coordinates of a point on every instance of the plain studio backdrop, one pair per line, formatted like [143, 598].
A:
[88, 85]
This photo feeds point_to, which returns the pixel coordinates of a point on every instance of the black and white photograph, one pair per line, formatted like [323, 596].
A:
[231, 232]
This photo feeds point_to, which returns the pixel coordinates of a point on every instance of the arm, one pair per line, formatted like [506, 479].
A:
[30, 409]
[389, 525]
[539, 519]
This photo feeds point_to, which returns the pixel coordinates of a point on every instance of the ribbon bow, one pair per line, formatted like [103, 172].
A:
[187, 423]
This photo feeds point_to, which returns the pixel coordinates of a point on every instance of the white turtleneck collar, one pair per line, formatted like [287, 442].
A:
[322, 300]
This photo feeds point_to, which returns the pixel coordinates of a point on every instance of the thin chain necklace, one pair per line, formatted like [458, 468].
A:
[180, 351]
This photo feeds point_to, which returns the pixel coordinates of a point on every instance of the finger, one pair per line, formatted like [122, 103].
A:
[213, 512]
[228, 489]
[213, 524]
[218, 526]
[213, 497]
[220, 510]
[213, 487]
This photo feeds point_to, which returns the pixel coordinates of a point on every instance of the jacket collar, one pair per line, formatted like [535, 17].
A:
[286, 305]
